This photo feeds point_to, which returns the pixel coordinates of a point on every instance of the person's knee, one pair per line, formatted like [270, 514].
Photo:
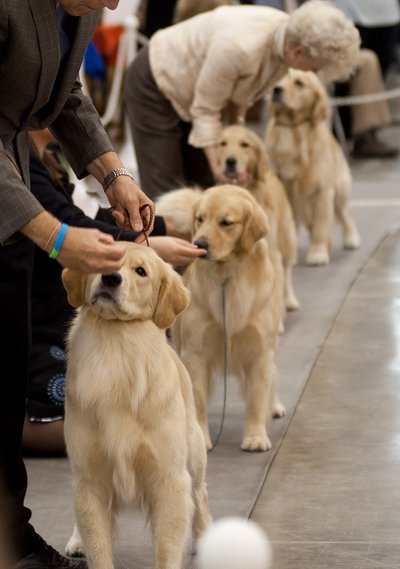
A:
[367, 60]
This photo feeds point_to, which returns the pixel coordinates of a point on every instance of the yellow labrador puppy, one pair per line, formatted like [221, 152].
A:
[130, 420]
[243, 158]
[238, 272]
[308, 159]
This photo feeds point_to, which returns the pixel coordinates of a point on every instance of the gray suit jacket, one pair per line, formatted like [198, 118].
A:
[32, 99]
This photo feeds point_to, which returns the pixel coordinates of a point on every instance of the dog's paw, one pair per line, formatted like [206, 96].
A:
[208, 440]
[256, 443]
[292, 304]
[278, 410]
[74, 547]
[352, 241]
[317, 256]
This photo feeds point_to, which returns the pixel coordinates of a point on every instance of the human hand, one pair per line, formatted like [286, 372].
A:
[175, 251]
[132, 208]
[91, 251]
[84, 250]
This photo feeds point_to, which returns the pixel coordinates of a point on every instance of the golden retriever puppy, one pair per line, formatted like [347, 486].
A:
[243, 158]
[237, 273]
[308, 159]
[130, 421]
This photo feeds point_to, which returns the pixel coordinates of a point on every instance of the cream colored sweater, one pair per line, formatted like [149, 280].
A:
[232, 53]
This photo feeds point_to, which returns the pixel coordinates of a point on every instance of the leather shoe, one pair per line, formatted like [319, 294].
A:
[368, 145]
[45, 557]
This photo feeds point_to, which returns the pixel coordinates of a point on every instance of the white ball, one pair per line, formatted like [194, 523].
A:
[234, 543]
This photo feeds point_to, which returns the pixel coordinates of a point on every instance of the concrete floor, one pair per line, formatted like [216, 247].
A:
[331, 497]
[327, 493]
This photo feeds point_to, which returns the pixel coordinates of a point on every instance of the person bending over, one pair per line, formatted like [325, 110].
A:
[178, 86]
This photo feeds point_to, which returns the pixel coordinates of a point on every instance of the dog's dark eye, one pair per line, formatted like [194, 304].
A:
[225, 222]
[222, 143]
[299, 83]
[141, 272]
[199, 219]
[244, 144]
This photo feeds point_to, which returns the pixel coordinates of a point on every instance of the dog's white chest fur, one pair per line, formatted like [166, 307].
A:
[112, 386]
[222, 297]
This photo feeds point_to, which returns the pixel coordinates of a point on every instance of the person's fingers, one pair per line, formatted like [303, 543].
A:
[106, 238]
[147, 212]
[195, 254]
[135, 218]
[141, 238]
[201, 252]
[91, 251]
[188, 254]
[113, 252]
[119, 217]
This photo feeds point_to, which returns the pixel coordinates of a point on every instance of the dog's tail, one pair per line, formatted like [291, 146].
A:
[177, 208]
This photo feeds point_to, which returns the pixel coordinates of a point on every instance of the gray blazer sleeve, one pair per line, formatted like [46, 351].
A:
[79, 131]
[33, 97]
[18, 205]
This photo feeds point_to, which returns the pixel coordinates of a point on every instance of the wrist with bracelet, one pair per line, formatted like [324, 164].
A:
[62, 231]
[113, 175]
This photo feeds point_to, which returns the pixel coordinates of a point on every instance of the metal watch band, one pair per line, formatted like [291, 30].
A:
[111, 176]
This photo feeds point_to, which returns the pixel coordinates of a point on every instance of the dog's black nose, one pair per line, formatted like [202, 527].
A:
[112, 280]
[277, 93]
[201, 244]
[230, 162]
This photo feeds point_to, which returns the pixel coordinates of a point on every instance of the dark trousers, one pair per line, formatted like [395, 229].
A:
[165, 160]
[383, 41]
[159, 14]
[16, 261]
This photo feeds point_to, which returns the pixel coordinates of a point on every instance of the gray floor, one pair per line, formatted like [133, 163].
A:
[327, 493]
[331, 497]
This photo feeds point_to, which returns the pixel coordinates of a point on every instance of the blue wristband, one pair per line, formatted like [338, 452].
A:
[59, 241]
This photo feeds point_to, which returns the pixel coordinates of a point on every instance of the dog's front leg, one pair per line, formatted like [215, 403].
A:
[197, 465]
[171, 512]
[200, 376]
[351, 236]
[259, 380]
[95, 523]
[74, 547]
[323, 218]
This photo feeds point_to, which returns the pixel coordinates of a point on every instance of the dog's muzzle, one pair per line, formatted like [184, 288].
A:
[230, 165]
[277, 94]
[201, 244]
[106, 288]
[112, 281]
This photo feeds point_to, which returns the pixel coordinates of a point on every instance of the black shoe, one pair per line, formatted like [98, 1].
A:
[48, 558]
[368, 145]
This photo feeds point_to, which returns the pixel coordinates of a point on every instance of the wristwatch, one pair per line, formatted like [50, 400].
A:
[111, 176]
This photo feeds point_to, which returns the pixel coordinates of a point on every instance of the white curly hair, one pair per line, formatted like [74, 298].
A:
[328, 37]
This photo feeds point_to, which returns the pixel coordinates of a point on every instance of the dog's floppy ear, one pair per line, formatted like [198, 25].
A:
[173, 298]
[74, 284]
[255, 227]
[321, 109]
[262, 160]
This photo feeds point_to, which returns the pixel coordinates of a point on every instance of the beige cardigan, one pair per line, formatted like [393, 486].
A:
[232, 53]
